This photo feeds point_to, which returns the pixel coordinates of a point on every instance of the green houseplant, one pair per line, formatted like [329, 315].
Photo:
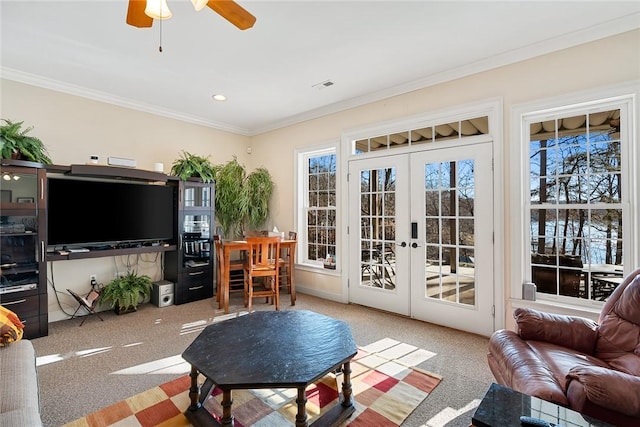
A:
[125, 292]
[258, 189]
[230, 203]
[191, 165]
[241, 199]
[16, 144]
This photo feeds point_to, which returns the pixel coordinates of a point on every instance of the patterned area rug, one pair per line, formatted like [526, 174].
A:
[387, 387]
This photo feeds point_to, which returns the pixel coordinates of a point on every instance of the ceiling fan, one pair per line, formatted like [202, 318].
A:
[141, 13]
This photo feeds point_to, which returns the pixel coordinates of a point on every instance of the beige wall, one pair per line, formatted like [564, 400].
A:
[75, 128]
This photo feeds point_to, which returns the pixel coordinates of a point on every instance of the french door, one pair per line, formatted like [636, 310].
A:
[379, 233]
[421, 228]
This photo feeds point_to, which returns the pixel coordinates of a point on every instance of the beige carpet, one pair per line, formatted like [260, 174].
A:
[387, 387]
[84, 369]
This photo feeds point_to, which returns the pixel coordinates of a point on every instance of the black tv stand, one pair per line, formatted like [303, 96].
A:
[99, 247]
[128, 245]
[110, 252]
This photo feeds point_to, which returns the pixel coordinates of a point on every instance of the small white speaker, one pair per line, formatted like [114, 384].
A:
[165, 300]
[529, 291]
[119, 161]
[162, 293]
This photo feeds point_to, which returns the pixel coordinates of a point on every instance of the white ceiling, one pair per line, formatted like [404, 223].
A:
[369, 49]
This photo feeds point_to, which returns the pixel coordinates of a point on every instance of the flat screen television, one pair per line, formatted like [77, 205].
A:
[98, 213]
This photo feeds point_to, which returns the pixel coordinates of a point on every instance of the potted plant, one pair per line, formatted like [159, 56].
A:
[230, 201]
[16, 144]
[125, 292]
[190, 165]
[258, 189]
[241, 199]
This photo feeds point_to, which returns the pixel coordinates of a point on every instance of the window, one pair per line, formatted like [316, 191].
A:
[576, 217]
[578, 194]
[416, 136]
[317, 206]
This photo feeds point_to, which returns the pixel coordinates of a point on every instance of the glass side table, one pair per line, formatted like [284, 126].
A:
[502, 406]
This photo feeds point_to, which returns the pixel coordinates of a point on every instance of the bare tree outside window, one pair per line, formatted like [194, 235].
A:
[450, 230]
[321, 206]
[378, 227]
[576, 205]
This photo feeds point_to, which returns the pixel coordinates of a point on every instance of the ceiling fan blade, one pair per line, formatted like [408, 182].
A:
[136, 15]
[233, 12]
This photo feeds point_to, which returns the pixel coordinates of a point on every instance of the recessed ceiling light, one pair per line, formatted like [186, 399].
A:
[219, 97]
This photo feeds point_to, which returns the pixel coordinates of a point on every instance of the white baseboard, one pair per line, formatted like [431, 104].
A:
[331, 296]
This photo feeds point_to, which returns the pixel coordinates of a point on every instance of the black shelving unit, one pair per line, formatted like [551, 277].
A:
[191, 267]
[23, 282]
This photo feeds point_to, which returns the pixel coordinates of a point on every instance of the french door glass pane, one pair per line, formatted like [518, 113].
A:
[449, 232]
[377, 228]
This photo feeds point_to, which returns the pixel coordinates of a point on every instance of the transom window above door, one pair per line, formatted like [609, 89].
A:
[423, 135]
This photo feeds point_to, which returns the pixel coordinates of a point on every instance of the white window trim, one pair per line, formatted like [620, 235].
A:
[301, 157]
[624, 95]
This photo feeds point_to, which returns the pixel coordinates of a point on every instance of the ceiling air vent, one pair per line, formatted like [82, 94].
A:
[323, 84]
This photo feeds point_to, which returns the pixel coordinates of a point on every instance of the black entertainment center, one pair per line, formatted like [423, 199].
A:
[93, 211]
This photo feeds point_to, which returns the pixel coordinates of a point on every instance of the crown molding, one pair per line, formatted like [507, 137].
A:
[70, 89]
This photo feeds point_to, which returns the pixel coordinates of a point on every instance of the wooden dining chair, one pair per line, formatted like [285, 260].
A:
[287, 253]
[235, 270]
[262, 263]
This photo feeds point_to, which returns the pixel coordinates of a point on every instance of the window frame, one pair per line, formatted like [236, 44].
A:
[623, 97]
[302, 157]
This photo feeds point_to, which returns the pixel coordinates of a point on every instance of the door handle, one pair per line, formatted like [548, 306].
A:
[403, 244]
[415, 245]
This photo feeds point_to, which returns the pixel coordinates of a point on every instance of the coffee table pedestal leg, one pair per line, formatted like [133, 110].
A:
[340, 412]
[301, 401]
[194, 390]
[347, 398]
[227, 418]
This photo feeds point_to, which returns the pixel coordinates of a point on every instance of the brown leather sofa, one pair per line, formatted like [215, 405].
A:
[592, 368]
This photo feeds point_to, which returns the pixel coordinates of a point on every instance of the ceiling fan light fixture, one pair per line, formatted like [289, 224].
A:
[199, 4]
[158, 9]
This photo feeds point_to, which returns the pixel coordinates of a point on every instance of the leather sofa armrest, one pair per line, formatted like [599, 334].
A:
[605, 387]
[517, 366]
[577, 333]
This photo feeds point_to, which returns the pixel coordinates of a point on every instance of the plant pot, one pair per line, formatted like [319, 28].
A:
[119, 310]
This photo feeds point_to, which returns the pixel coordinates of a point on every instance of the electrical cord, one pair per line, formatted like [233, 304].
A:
[131, 266]
[52, 283]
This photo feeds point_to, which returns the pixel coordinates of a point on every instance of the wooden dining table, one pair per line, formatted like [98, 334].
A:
[229, 246]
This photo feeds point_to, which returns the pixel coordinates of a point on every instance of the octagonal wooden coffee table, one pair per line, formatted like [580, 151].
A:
[270, 349]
